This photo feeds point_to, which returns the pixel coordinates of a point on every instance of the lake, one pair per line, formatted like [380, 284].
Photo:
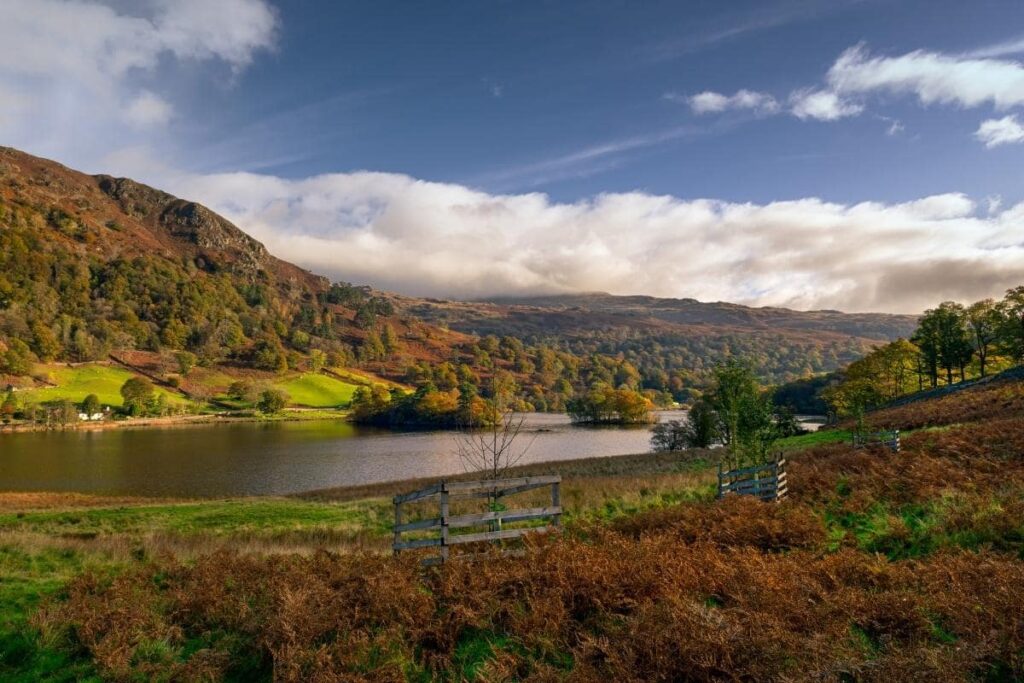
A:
[272, 458]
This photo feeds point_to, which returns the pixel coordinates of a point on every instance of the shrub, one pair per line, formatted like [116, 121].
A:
[272, 401]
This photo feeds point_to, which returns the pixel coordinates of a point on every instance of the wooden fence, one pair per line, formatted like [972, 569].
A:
[889, 439]
[767, 481]
[494, 490]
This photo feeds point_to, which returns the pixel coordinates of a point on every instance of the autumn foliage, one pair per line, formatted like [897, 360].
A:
[880, 566]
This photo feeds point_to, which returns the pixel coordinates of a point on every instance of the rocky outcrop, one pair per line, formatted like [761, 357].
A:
[217, 242]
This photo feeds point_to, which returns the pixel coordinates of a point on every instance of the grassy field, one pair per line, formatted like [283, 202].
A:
[880, 566]
[364, 378]
[77, 382]
[317, 391]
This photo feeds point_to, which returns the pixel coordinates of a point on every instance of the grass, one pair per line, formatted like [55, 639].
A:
[231, 517]
[818, 438]
[365, 378]
[317, 391]
[77, 382]
[46, 539]
[897, 560]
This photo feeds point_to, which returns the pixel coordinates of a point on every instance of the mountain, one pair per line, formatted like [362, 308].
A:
[90, 265]
[96, 267]
[783, 344]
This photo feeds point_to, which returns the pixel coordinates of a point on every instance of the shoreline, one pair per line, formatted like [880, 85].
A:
[634, 464]
[287, 415]
[290, 415]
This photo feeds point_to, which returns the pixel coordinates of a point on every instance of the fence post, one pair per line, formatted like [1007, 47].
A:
[398, 522]
[444, 522]
[896, 439]
[720, 479]
[556, 501]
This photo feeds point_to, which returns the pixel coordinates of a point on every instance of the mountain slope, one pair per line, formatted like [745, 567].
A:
[783, 344]
[93, 264]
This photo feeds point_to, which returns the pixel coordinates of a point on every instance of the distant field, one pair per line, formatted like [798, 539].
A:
[317, 391]
[358, 377]
[75, 383]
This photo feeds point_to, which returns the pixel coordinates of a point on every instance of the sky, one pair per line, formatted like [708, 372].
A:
[861, 155]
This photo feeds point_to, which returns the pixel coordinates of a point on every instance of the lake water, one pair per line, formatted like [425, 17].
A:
[271, 458]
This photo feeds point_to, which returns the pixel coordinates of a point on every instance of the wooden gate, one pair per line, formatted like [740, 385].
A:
[889, 439]
[494, 490]
[767, 481]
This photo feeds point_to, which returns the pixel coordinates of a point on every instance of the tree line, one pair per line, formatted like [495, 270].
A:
[737, 412]
[952, 343]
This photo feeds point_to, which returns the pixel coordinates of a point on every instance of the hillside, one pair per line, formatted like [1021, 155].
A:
[103, 269]
[671, 334]
[97, 270]
[94, 263]
[879, 566]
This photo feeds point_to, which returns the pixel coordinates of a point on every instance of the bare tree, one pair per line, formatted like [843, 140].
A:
[494, 450]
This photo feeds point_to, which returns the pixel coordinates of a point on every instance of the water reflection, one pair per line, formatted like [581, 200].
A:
[270, 458]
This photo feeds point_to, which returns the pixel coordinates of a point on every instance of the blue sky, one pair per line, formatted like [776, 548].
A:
[500, 95]
[785, 152]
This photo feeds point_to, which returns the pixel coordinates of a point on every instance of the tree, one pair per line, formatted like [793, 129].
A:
[91, 404]
[604, 405]
[269, 354]
[745, 413]
[243, 390]
[983, 322]
[1011, 324]
[186, 361]
[701, 428]
[9, 407]
[926, 338]
[64, 413]
[317, 360]
[272, 401]
[137, 393]
[668, 436]
[942, 337]
[490, 453]
[368, 402]
[389, 339]
[44, 342]
[16, 359]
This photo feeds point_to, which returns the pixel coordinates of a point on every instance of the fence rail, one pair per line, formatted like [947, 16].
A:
[493, 490]
[889, 439]
[767, 481]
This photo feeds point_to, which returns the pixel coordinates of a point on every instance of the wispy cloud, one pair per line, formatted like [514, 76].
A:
[968, 81]
[934, 78]
[821, 105]
[767, 16]
[1005, 131]
[709, 102]
[584, 162]
[1009, 47]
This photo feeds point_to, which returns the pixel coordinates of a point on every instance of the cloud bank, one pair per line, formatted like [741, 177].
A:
[448, 240]
[79, 81]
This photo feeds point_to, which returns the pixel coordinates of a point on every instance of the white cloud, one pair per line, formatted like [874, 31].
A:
[148, 109]
[1010, 47]
[71, 72]
[821, 105]
[1004, 131]
[441, 239]
[709, 102]
[934, 78]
